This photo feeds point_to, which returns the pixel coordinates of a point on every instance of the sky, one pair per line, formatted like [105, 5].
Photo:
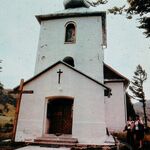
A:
[19, 33]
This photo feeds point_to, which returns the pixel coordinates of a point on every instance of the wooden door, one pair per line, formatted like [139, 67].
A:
[60, 116]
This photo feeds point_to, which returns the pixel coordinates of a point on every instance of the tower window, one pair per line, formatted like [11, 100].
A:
[70, 35]
[69, 60]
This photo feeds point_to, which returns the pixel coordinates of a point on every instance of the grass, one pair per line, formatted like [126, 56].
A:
[4, 119]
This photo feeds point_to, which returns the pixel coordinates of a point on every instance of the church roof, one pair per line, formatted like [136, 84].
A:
[111, 75]
[60, 62]
[76, 12]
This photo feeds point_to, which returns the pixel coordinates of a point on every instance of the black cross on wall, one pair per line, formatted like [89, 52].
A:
[59, 75]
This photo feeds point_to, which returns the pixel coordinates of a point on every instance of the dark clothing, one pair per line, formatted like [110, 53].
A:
[130, 134]
[130, 138]
[139, 132]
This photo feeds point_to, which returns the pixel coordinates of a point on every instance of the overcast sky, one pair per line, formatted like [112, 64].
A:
[19, 34]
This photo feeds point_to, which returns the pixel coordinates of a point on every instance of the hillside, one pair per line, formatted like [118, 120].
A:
[7, 113]
[7, 103]
[139, 109]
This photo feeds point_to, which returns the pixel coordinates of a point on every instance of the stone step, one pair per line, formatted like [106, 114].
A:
[56, 140]
[55, 144]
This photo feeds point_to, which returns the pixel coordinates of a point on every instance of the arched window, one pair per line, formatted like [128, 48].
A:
[69, 60]
[70, 35]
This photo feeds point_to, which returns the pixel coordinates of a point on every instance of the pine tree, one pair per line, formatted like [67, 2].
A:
[136, 87]
[142, 8]
[130, 109]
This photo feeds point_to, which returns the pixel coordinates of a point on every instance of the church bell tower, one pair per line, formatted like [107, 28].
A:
[75, 35]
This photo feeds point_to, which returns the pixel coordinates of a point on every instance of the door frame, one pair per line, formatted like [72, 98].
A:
[45, 120]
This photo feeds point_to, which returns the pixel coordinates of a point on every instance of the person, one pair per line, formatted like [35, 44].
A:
[130, 135]
[139, 131]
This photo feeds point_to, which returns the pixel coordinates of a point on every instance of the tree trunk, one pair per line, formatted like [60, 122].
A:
[145, 116]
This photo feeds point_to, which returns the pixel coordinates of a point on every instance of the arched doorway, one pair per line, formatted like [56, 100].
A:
[59, 115]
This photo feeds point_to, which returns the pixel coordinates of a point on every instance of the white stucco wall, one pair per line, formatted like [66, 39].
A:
[115, 107]
[87, 51]
[88, 109]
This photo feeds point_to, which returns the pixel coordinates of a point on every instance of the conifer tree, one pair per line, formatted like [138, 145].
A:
[136, 87]
[142, 8]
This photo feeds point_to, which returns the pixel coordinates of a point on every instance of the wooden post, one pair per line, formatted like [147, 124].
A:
[18, 101]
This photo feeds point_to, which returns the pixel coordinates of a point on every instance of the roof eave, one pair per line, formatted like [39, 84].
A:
[126, 80]
[41, 18]
[126, 83]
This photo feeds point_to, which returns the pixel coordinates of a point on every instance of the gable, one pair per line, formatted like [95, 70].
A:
[72, 69]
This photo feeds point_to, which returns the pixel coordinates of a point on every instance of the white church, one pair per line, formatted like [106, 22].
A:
[76, 96]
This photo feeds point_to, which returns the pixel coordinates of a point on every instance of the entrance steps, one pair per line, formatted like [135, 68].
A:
[56, 141]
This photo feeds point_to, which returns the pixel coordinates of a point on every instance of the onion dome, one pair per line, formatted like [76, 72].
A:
[76, 4]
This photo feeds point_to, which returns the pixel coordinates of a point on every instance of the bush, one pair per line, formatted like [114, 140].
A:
[6, 128]
[120, 136]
